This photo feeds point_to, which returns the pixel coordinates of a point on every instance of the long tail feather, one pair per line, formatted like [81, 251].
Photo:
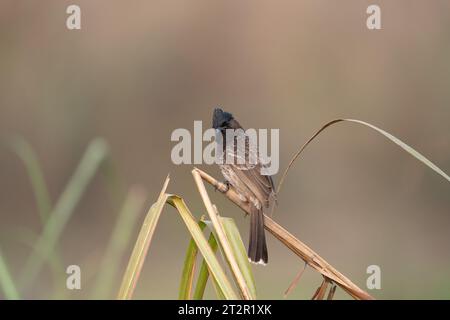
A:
[257, 247]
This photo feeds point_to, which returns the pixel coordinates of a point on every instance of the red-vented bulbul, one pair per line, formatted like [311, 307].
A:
[246, 178]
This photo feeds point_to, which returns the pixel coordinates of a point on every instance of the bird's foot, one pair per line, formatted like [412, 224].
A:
[226, 184]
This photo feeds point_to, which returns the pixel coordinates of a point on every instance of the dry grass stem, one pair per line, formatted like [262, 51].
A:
[295, 245]
[212, 212]
[295, 281]
[331, 292]
[320, 293]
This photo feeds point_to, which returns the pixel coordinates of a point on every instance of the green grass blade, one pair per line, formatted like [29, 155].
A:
[394, 139]
[187, 276]
[95, 153]
[26, 153]
[214, 266]
[240, 253]
[141, 247]
[28, 238]
[6, 281]
[405, 147]
[29, 158]
[203, 274]
[222, 238]
[217, 290]
[118, 242]
[144, 239]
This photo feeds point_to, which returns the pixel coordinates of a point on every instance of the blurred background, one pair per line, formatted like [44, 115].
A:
[138, 70]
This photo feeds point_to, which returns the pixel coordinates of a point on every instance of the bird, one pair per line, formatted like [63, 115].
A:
[243, 173]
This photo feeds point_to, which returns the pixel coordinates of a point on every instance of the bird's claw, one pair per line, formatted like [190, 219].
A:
[226, 184]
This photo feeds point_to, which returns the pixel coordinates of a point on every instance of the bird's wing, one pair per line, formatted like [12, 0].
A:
[247, 166]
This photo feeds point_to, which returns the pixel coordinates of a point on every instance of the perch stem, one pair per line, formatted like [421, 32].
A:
[295, 245]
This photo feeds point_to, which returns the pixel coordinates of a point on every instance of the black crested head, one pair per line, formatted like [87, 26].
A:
[221, 118]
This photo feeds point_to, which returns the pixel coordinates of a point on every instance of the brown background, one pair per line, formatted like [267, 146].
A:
[139, 69]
